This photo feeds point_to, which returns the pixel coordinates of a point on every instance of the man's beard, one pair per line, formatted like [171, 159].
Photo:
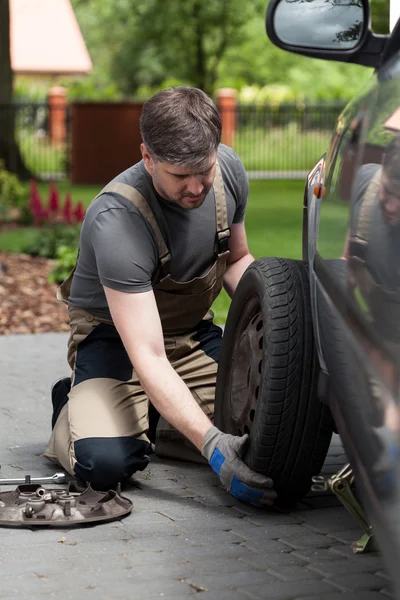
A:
[180, 201]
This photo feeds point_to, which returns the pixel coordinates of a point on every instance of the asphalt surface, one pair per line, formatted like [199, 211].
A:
[185, 537]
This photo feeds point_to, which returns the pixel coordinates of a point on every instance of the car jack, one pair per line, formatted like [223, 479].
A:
[340, 484]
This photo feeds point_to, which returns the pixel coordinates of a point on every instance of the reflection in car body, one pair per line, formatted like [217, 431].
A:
[351, 240]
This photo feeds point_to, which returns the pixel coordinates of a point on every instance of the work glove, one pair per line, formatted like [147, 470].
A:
[224, 452]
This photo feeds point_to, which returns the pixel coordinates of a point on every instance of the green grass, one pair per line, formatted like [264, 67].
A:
[280, 148]
[40, 156]
[273, 224]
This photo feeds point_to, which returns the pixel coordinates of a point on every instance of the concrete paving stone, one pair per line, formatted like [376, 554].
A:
[268, 560]
[195, 512]
[361, 581]
[263, 517]
[227, 595]
[317, 555]
[214, 565]
[288, 590]
[307, 539]
[339, 519]
[273, 546]
[318, 501]
[234, 580]
[346, 566]
[361, 595]
[294, 573]
[267, 532]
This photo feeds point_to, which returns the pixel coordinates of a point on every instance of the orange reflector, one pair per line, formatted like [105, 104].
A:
[319, 191]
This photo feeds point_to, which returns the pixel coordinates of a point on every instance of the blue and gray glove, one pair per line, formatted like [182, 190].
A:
[224, 452]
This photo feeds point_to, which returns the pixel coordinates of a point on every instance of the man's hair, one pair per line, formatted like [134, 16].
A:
[181, 125]
[391, 159]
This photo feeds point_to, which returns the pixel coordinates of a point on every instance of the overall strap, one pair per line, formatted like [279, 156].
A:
[131, 194]
[221, 217]
[360, 238]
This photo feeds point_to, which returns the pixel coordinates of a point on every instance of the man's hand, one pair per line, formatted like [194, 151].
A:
[224, 452]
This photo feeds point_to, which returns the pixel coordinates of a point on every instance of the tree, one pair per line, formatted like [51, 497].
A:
[9, 152]
[182, 40]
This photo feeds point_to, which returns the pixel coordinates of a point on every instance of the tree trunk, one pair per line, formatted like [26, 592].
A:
[9, 151]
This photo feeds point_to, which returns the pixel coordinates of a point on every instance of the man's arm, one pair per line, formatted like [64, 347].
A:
[239, 257]
[138, 323]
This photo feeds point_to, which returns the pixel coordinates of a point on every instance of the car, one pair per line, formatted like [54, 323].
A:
[313, 346]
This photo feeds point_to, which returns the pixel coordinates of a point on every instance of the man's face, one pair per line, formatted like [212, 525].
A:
[185, 186]
[389, 197]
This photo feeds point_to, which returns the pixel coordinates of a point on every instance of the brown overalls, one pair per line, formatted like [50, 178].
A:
[106, 412]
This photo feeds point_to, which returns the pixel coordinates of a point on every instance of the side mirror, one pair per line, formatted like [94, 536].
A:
[329, 29]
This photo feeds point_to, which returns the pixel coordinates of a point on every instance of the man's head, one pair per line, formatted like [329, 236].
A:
[389, 193]
[181, 131]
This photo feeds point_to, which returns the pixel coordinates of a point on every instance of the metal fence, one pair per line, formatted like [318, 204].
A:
[284, 141]
[273, 142]
[43, 147]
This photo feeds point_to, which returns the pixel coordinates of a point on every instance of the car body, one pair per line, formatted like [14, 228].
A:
[351, 242]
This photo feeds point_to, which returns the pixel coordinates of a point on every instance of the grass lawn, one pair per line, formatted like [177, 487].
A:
[273, 224]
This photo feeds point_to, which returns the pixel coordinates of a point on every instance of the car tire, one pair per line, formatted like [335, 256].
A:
[267, 376]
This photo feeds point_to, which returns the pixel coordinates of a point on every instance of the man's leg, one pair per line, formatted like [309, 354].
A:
[100, 433]
[195, 359]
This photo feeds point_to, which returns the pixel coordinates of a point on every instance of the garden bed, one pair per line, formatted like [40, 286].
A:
[28, 301]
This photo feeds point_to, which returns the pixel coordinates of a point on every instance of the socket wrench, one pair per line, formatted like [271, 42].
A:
[56, 478]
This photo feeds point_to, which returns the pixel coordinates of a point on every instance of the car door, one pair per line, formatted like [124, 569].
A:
[354, 255]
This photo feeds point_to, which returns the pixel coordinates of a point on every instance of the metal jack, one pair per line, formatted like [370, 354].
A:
[340, 484]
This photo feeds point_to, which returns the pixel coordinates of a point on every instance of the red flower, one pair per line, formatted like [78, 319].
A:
[79, 212]
[54, 200]
[68, 216]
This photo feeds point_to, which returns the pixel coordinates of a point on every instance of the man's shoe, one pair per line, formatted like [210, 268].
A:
[59, 396]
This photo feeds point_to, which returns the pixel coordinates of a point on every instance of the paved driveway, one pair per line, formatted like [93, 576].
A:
[185, 537]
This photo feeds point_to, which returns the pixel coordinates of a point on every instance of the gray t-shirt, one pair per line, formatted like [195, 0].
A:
[118, 248]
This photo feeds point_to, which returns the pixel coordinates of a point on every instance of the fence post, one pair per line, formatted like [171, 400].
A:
[227, 104]
[57, 102]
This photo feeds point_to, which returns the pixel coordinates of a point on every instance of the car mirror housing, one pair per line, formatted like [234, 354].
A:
[329, 29]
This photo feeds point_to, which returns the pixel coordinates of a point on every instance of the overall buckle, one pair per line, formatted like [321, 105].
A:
[223, 241]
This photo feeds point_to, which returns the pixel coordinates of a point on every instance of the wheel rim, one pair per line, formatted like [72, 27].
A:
[246, 369]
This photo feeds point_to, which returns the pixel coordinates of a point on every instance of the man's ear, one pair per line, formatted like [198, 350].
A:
[148, 161]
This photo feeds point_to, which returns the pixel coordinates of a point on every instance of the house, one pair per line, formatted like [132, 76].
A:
[46, 40]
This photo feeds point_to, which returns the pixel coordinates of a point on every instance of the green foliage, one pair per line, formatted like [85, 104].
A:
[64, 263]
[53, 237]
[93, 87]
[380, 15]
[12, 193]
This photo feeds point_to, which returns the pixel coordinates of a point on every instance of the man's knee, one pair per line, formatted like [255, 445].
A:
[104, 462]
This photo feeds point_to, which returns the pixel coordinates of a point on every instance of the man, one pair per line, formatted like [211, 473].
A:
[156, 247]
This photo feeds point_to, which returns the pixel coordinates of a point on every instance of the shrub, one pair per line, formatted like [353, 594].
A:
[65, 262]
[12, 194]
[52, 237]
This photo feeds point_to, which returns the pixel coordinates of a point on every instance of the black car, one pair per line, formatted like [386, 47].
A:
[313, 346]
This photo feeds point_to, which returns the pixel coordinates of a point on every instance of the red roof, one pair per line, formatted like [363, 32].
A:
[45, 38]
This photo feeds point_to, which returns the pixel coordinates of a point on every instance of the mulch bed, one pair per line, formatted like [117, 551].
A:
[28, 301]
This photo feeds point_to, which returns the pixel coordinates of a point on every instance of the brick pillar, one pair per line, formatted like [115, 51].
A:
[57, 102]
[227, 105]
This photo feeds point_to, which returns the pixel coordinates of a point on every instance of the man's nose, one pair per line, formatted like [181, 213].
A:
[195, 186]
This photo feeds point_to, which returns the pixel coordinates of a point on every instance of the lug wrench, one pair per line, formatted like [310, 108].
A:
[56, 478]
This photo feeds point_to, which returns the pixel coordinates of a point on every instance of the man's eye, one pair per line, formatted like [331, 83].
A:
[179, 176]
